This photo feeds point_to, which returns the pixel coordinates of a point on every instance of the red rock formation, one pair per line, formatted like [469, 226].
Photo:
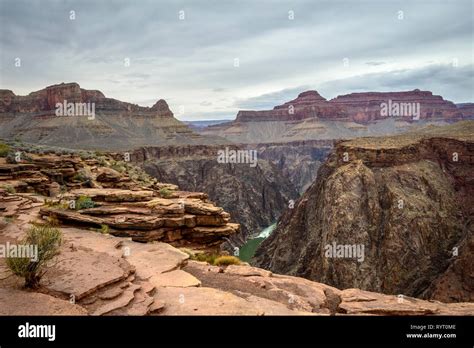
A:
[46, 99]
[308, 104]
[369, 104]
[114, 125]
[357, 107]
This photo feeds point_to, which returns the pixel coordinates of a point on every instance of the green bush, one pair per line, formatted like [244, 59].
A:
[9, 188]
[203, 257]
[4, 150]
[47, 239]
[82, 175]
[215, 259]
[118, 168]
[104, 229]
[226, 260]
[55, 204]
[84, 202]
[9, 219]
[165, 193]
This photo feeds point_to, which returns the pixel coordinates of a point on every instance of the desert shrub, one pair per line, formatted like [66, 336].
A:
[119, 168]
[226, 260]
[84, 202]
[56, 204]
[104, 229]
[47, 239]
[53, 221]
[204, 257]
[83, 175]
[85, 155]
[9, 219]
[4, 150]
[215, 259]
[165, 193]
[12, 156]
[102, 162]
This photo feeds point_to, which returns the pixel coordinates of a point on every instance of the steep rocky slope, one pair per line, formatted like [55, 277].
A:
[115, 125]
[406, 200]
[283, 170]
[254, 195]
[298, 161]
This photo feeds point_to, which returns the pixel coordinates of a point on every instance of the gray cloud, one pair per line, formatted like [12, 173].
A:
[191, 61]
[453, 83]
[269, 100]
[374, 63]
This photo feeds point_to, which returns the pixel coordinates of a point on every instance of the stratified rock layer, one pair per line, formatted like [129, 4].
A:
[115, 125]
[408, 200]
[359, 107]
[145, 211]
[312, 117]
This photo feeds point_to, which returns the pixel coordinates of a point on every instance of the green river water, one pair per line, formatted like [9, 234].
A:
[247, 251]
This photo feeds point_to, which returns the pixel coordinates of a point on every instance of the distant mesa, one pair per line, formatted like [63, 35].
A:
[356, 107]
[45, 100]
[116, 125]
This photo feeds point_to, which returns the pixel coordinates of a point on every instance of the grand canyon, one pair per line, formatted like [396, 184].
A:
[404, 193]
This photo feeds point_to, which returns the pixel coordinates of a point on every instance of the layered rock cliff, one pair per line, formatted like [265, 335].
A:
[359, 107]
[255, 196]
[311, 117]
[115, 124]
[365, 107]
[123, 202]
[389, 214]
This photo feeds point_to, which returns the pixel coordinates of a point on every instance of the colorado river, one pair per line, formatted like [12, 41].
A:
[247, 251]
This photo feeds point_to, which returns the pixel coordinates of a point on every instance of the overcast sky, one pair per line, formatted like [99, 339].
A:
[282, 48]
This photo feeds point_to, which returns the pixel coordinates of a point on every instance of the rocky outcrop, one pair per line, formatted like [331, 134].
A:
[99, 274]
[114, 125]
[143, 209]
[17, 302]
[239, 188]
[390, 214]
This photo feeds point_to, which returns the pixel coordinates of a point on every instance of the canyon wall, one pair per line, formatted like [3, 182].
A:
[254, 196]
[283, 172]
[116, 125]
[406, 200]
